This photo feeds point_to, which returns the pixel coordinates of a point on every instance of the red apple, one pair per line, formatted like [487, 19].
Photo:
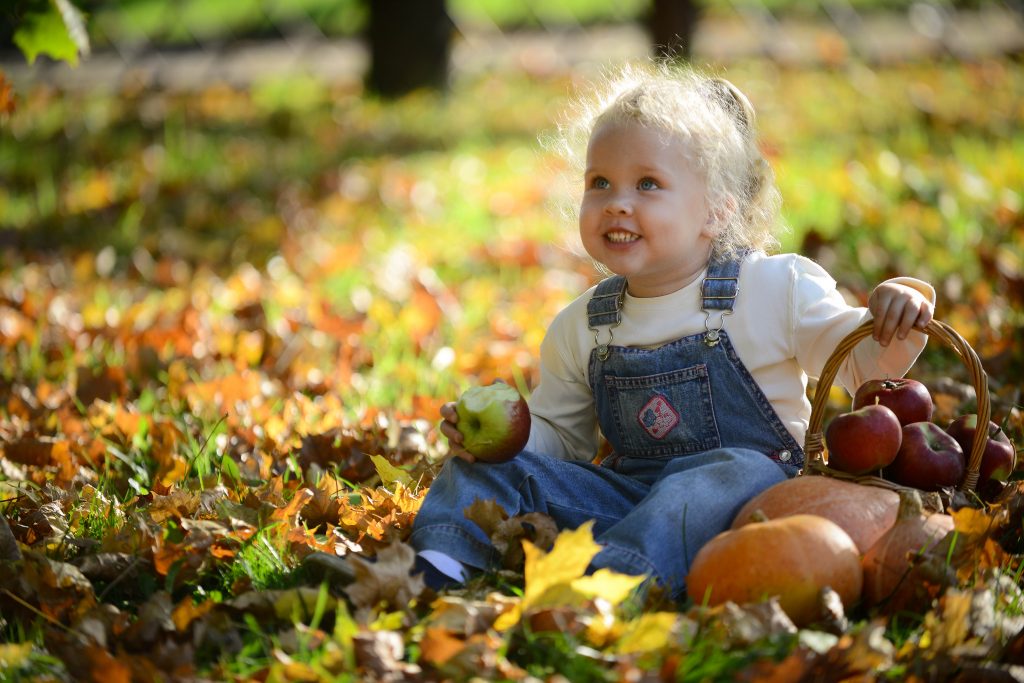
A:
[908, 398]
[494, 421]
[929, 458]
[863, 440]
[999, 457]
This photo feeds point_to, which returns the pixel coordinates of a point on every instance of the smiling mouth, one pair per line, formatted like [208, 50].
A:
[621, 237]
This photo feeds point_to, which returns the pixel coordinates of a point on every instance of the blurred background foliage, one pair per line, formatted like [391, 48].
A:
[400, 249]
[126, 21]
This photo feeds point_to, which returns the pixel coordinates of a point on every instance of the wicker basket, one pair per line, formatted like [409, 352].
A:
[814, 444]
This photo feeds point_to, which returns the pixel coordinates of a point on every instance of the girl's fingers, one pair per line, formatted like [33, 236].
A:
[449, 413]
[884, 327]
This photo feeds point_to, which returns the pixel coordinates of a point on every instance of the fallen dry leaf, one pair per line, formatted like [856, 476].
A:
[388, 581]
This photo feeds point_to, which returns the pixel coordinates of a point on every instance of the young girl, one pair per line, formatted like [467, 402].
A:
[692, 359]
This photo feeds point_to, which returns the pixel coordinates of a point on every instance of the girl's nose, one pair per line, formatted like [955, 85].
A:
[618, 206]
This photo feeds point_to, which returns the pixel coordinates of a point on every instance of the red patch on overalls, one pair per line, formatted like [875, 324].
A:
[658, 417]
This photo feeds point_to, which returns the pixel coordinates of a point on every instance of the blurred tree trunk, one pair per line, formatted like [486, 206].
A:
[409, 45]
[672, 25]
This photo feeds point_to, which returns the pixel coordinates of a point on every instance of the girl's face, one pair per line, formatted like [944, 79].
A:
[644, 214]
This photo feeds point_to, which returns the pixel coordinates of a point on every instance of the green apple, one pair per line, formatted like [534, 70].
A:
[494, 421]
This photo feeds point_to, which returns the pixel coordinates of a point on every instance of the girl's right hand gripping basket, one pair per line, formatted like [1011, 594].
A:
[814, 446]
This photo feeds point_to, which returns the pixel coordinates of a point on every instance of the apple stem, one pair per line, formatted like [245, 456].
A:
[758, 515]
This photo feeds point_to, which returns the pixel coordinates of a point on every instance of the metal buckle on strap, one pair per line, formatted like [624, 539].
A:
[619, 296]
[602, 349]
[713, 334]
[705, 281]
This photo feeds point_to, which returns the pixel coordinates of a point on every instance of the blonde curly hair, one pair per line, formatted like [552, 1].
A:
[715, 122]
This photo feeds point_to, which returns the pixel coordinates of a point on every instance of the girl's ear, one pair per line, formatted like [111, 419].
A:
[719, 215]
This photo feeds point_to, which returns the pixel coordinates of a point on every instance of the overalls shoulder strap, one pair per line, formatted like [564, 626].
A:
[718, 292]
[605, 309]
[721, 284]
[606, 303]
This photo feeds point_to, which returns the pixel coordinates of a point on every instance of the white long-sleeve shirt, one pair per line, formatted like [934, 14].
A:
[787, 320]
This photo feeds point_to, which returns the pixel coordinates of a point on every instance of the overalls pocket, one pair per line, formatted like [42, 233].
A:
[663, 415]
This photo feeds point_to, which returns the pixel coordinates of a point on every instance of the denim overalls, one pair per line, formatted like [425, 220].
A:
[693, 439]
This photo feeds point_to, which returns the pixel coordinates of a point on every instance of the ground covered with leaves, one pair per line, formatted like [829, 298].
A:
[228, 319]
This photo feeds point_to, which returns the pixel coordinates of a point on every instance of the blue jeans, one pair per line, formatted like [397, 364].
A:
[638, 518]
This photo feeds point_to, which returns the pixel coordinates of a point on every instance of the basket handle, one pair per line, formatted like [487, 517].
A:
[813, 442]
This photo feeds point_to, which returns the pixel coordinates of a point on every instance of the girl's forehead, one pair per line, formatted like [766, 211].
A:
[639, 132]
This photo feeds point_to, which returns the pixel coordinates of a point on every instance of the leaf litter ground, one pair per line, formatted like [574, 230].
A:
[228, 320]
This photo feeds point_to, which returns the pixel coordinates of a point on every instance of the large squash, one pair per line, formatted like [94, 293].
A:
[864, 512]
[793, 558]
[889, 563]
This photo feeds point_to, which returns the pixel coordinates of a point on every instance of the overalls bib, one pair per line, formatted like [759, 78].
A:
[688, 396]
[694, 438]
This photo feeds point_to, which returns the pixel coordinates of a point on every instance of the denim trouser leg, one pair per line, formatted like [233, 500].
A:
[653, 529]
[570, 492]
[693, 499]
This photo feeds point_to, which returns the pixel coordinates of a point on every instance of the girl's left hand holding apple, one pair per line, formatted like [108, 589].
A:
[896, 309]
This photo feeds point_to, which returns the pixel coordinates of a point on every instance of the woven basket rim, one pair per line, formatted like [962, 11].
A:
[814, 445]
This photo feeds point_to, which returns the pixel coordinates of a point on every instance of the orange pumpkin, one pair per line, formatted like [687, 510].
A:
[864, 512]
[793, 558]
[888, 563]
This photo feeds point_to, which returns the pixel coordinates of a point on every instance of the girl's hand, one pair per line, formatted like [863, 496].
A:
[897, 309]
[454, 436]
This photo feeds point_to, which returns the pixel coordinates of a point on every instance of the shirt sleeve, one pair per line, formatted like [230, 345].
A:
[563, 417]
[822, 318]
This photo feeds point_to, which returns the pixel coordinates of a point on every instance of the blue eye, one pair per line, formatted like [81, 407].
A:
[600, 183]
[648, 184]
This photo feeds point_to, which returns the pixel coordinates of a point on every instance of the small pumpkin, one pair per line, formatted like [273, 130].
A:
[807, 553]
[889, 562]
[864, 512]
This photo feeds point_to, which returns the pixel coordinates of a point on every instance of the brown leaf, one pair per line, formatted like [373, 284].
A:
[154, 622]
[39, 452]
[387, 581]
[103, 666]
[754, 622]
[475, 658]
[9, 550]
[337, 446]
[101, 384]
[833, 616]
[507, 534]
[855, 657]
[486, 514]
[463, 617]
[324, 508]
[380, 654]
[439, 645]
[57, 590]
[178, 504]
[535, 527]
[974, 548]
[109, 566]
[793, 669]
[290, 512]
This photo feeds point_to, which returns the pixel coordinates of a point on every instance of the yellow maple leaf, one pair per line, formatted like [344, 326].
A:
[388, 473]
[552, 572]
[558, 578]
[609, 585]
[649, 632]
